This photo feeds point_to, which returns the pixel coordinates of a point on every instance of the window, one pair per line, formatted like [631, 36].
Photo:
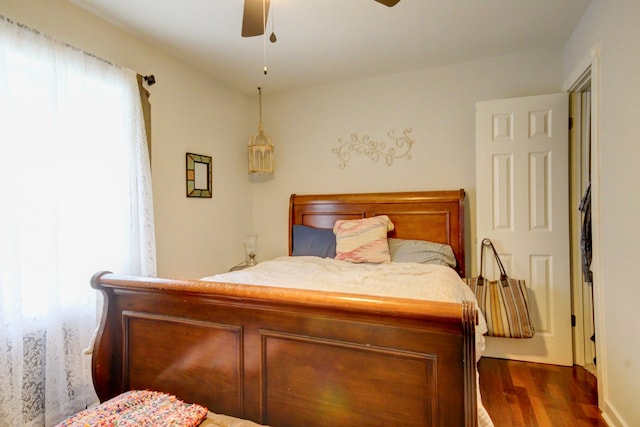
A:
[76, 198]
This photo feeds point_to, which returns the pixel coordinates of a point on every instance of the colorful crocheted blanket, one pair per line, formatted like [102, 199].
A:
[139, 408]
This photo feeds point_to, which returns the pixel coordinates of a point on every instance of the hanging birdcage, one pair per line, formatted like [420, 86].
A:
[260, 148]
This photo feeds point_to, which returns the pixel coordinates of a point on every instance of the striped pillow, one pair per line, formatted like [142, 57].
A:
[363, 240]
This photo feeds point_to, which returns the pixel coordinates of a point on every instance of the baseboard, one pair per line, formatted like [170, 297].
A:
[612, 417]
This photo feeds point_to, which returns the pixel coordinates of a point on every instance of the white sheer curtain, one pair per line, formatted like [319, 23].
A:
[75, 191]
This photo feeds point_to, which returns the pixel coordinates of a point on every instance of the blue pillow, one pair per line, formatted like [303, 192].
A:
[311, 241]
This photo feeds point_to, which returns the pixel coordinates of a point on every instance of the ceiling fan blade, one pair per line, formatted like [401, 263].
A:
[389, 3]
[252, 21]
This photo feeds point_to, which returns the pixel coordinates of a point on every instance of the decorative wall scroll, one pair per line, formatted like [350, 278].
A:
[374, 150]
[199, 173]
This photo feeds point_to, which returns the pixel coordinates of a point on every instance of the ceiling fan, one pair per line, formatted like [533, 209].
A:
[256, 13]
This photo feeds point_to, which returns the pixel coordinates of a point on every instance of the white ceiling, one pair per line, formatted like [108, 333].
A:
[329, 41]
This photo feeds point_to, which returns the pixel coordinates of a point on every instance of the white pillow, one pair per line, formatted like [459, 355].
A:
[421, 251]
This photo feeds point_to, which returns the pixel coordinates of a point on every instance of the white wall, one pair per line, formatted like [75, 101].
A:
[190, 113]
[438, 104]
[613, 26]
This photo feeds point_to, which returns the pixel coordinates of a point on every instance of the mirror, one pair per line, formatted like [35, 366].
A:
[198, 175]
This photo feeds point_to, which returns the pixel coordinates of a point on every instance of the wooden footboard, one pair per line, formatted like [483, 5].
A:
[287, 357]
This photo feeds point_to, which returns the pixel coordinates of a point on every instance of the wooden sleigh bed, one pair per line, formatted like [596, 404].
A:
[289, 357]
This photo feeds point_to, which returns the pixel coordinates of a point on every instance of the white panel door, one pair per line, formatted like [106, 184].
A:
[522, 199]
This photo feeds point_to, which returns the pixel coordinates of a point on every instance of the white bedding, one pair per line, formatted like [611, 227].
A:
[404, 280]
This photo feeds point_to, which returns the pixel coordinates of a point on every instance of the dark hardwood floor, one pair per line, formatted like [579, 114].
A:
[533, 394]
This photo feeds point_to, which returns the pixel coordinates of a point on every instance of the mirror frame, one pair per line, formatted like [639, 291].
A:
[194, 175]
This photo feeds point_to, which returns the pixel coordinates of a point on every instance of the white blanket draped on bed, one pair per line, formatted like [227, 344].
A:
[404, 280]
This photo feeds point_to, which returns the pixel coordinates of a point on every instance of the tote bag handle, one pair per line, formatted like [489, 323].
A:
[503, 273]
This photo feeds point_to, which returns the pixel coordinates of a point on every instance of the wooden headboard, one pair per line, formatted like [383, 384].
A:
[437, 216]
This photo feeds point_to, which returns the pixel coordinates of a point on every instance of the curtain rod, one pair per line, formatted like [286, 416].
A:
[149, 79]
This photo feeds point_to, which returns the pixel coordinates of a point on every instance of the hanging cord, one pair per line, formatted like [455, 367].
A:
[272, 37]
[260, 102]
[264, 35]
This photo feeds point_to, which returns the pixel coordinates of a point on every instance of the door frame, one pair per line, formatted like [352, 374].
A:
[579, 149]
[591, 65]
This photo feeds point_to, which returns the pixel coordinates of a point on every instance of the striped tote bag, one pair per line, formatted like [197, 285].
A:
[503, 302]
